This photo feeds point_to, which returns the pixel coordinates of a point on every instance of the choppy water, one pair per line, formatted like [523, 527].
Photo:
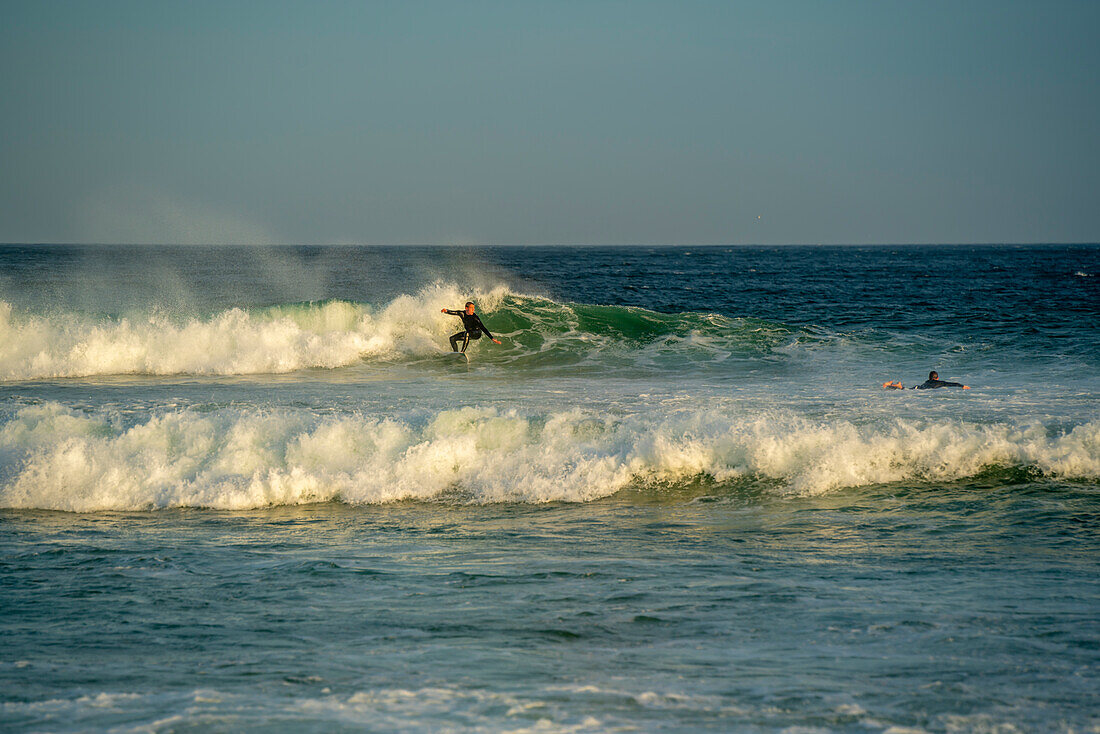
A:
[245, 490]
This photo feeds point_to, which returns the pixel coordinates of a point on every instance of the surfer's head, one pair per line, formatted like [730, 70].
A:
[469, 306]
[933, 375]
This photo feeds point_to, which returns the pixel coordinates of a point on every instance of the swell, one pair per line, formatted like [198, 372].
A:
[53, 457]
[539, 333]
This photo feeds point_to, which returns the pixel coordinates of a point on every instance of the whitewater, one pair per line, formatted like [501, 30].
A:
[243, 488]
[60, 459]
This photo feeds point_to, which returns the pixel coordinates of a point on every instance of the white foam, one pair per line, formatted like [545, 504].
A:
[399, 709]
[56, 458]
[233, 342]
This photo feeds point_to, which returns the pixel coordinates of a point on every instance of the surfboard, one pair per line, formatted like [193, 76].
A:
[456, 358]
[895, 385]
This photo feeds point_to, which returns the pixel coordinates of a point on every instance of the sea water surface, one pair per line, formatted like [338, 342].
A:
[244, 489]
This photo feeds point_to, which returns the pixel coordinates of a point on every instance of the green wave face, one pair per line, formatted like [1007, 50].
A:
[544, 333]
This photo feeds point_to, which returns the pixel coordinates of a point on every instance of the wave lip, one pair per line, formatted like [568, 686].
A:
[52, 457]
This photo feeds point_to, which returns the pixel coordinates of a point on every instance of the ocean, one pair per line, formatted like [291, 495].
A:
[245, 489]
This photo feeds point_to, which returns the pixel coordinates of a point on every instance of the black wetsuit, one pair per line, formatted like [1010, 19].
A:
[931, 384]
[472, 330]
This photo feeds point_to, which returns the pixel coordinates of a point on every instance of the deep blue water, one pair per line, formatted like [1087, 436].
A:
[243, 489]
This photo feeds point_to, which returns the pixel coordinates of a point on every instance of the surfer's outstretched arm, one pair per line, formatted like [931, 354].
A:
[487, 332]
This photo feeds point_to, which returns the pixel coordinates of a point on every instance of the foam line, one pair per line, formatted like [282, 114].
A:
[53, 457]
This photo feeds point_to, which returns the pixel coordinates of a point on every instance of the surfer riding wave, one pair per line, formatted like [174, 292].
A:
[472, 328]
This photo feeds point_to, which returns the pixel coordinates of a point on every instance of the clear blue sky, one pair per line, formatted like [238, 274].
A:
[553, 122]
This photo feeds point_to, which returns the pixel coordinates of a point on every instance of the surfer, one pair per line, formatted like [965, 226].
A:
[931, 383]
[934, 381]
[472, 328]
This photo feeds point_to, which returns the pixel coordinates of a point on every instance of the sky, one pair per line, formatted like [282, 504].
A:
[567, 122]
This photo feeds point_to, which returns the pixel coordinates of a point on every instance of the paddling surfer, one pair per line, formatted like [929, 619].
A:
[931, 383]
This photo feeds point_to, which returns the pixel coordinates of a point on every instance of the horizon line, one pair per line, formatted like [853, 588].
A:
[1081, 243]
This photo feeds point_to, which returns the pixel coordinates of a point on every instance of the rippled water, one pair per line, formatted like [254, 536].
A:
[661, 610]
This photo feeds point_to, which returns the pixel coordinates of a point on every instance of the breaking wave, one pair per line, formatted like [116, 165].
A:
[54, 457]
[539, 332]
